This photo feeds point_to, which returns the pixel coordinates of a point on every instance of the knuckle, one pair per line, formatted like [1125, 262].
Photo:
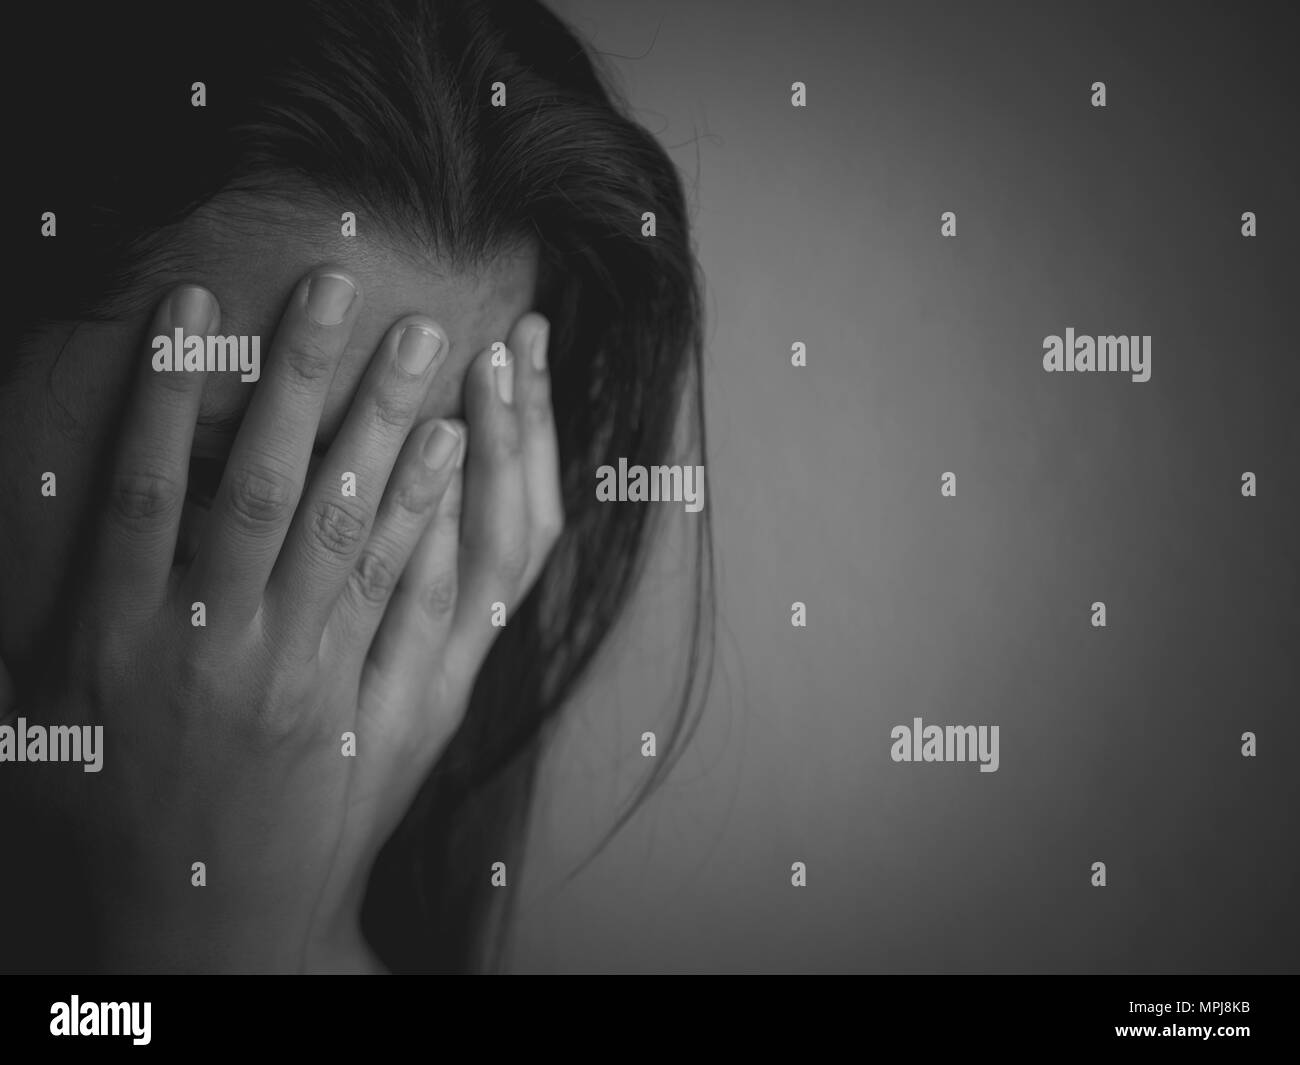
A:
[415, 498]
[272, 721]
[261, 496]
[192, 682]
[438, 597]
[142, 499]
[392, 409]
[285, 708]
[178, 384]
[337, 529]
[374, 578]
[308, 359]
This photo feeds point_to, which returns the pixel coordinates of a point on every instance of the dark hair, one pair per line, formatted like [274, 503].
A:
[387, 104]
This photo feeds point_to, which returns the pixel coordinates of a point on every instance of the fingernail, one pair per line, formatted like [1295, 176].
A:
[192, 308]
[540, 339]
[417, 349]
[328, 298]
[440, 445]
[506, 380]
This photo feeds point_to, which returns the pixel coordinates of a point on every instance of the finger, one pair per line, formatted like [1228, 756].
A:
[150, 469]
[263, 477]
[424, 470]
[413, 634]
[541, 451]
[494, 526]
[334, 521]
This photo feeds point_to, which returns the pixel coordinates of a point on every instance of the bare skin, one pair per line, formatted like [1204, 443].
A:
[63, 405]
[324, 614]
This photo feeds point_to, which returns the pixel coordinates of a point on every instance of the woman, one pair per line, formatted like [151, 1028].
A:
[323, 678]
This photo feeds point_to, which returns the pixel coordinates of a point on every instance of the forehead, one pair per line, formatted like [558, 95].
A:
[252, 261]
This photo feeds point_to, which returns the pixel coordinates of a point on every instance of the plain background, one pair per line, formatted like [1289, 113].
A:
[924, 355]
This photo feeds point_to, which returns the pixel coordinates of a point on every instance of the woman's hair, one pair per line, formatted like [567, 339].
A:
[386, 107]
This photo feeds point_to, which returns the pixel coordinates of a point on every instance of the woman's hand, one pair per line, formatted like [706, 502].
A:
[270, 705]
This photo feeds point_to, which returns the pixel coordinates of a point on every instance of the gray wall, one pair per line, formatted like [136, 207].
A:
[1119, 744]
